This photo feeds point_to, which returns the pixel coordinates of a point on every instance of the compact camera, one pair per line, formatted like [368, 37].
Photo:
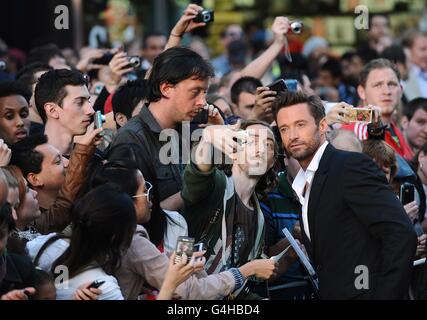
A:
[296, 27]
[204, 16]
[134, 61]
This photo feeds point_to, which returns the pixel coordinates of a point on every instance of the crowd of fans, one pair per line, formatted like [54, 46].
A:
[94, 213]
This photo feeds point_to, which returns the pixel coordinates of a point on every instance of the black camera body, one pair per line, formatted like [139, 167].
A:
[204, 16]
[134, 61]
[104, 60]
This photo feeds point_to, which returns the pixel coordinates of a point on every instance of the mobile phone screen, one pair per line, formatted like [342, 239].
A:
[184, 245]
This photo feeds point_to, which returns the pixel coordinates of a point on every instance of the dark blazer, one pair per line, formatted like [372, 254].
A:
[356, 219]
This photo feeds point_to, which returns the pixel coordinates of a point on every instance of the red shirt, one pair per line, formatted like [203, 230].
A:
[398, 142]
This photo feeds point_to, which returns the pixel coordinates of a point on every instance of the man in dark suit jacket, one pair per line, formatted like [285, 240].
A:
[354, 228]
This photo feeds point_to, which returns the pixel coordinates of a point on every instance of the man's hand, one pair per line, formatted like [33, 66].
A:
[411, 210]
[84, 293]
[280, 28]
[5, 154]
[85, 63]
[260, 268]
[376, 118]
[186, 23]
[262, 109]
[118, 68]
[421, 246]
[91, 137]
[337, 114]
[19, 294]
[224, 138]
[214, 117]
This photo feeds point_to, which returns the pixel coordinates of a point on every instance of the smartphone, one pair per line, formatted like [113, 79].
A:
[407, 193]
[184, 245]
[96, 284]
[278, 86]
[199, 247]
[201, 117]
[359, 115]
[292, 85]
[99, 118]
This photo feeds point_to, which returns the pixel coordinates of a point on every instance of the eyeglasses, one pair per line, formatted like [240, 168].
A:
[148, 194]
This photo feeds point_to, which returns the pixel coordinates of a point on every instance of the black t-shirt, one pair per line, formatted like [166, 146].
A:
[244, 232]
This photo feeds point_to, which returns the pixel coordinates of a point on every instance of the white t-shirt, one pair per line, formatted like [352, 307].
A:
[65, 290]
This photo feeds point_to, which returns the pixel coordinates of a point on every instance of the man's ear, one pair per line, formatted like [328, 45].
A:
[35, 180]
[51, 110]
[165, 89]
[323, 127]
[120, 119]
[404, 122]
[361, 92]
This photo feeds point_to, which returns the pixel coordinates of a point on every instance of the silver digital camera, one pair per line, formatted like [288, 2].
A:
[296, 27]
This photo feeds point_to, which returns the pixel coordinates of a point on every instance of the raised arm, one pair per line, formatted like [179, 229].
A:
[258, 67]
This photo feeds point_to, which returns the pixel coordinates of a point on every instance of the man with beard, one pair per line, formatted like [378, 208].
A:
[354, 228]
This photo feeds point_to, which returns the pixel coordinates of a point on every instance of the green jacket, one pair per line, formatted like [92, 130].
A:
[205, 195]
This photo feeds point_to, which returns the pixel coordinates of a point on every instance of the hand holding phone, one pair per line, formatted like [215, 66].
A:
[184, 245]
[407, 193]
[358, 115]
[96, 284]
[278, 86]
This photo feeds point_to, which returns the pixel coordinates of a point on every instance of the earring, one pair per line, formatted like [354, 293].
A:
[421, 165]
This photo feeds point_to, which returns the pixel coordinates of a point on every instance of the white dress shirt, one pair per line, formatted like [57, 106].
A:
[304, 177]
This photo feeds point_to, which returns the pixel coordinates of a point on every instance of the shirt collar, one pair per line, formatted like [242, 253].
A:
[418, 71]
[149, 119]
[303, 176]
[314, 164]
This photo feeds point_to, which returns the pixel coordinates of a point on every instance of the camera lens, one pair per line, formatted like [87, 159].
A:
[135, 61]
[206, 17]
[296, 27]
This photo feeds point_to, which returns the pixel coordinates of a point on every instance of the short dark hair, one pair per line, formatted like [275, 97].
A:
[13, 87]
[348, 56]
[150, 35]
[374, 65]
[24, 155]
[333, 66]
[126, 97]
[51, 87]
[173, 66]
[44, 53]
[410, 36]
[395, 54]
[412, 106]
[27, 74]
[379, 14]
[244, 84]
[288, 98]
